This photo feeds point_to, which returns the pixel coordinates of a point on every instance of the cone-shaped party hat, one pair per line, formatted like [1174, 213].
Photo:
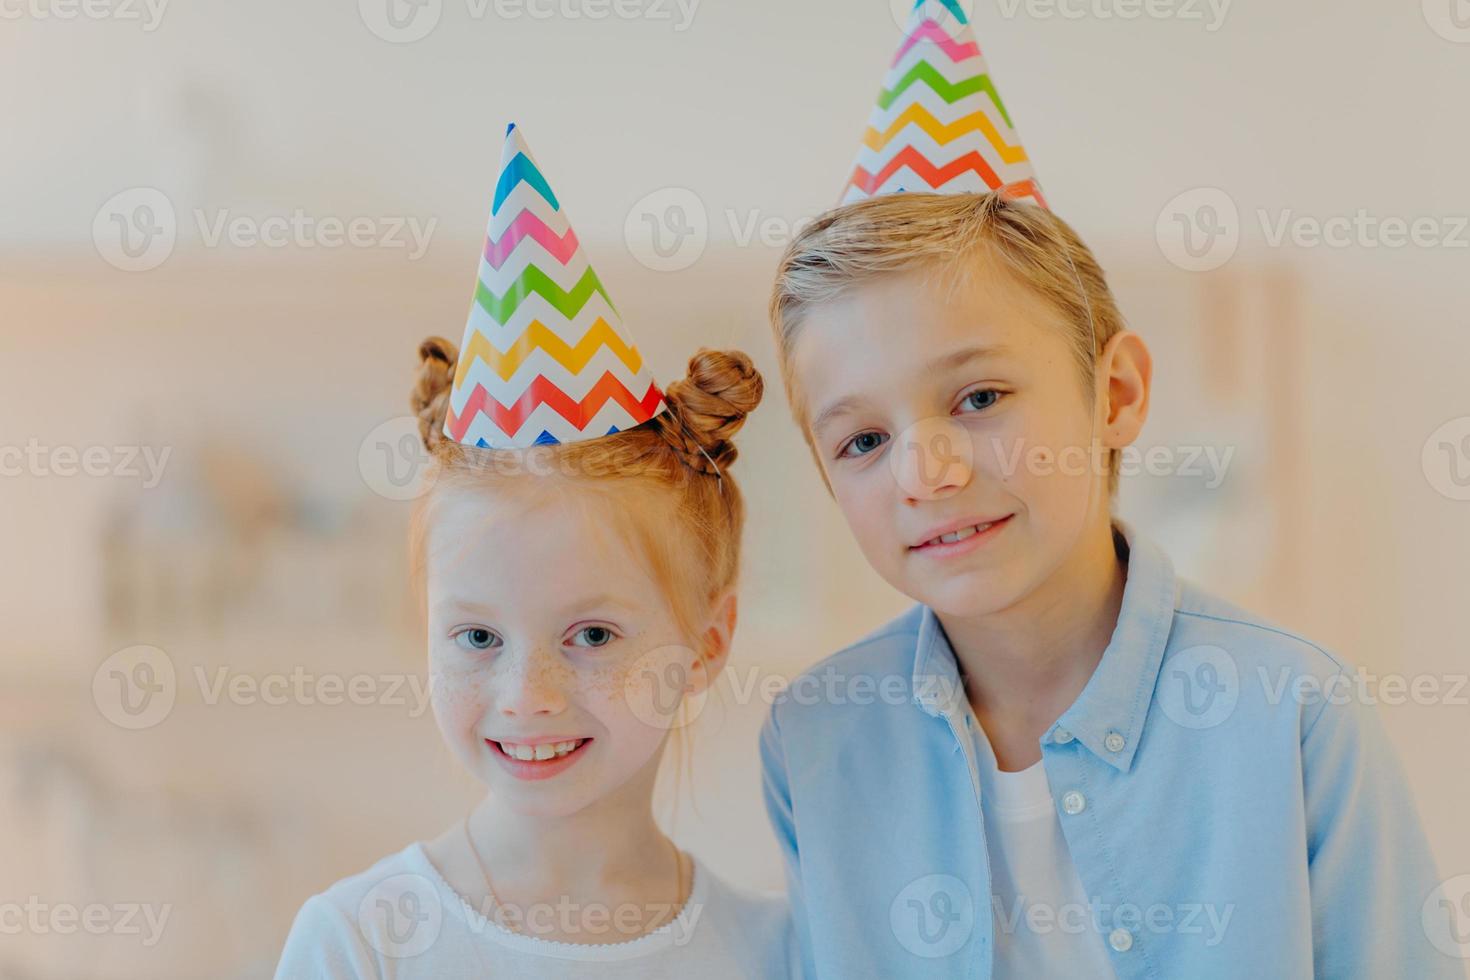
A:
[544, 357]
[940, 124]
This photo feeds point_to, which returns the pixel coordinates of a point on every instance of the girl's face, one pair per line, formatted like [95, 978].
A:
[557, 664]
[939, 407]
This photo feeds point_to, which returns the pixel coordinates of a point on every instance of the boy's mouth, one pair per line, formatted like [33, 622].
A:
[960, 537]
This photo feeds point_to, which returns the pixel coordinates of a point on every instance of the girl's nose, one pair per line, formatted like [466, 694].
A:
[532, 683]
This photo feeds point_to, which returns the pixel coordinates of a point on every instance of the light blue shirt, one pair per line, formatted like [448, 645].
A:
[1231, 805]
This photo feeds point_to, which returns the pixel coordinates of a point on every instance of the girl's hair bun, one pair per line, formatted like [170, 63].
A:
[709, 406]
[431, 387]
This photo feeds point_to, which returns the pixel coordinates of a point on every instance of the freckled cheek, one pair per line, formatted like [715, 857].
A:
[459, 700]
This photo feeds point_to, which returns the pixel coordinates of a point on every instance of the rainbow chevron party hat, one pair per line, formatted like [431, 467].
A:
[940, 124]
[544, 358]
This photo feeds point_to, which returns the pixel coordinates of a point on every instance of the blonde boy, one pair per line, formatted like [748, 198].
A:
[1086, 774]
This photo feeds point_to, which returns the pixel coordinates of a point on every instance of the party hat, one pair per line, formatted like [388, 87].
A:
[545, 358]
[940, 124]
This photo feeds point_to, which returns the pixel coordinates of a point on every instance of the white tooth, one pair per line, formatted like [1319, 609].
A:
[525, 753]
[562, 748]
[544, 751]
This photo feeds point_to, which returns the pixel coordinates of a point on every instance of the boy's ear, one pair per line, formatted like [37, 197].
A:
[1128, 368]
[717, 637]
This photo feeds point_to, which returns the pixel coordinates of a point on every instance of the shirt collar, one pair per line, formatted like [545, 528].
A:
[1116, 699]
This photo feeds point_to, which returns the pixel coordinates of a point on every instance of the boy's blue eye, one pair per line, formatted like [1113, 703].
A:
[981, 399]
[596, 636]
[476, 638]
[862, 444]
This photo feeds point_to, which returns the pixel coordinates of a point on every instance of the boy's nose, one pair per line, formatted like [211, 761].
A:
[532, 684]
[933, 459]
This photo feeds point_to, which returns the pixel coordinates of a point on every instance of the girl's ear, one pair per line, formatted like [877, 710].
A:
[718, 636]
[1128, 368]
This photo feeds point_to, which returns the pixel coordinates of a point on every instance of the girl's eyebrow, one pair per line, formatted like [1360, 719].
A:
[840, 407]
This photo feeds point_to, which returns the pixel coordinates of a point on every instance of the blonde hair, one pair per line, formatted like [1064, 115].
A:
[693, 550]
[899, 232]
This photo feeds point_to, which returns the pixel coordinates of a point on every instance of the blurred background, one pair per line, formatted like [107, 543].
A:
[224, 227]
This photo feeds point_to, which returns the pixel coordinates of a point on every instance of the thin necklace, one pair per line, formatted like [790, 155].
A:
[489, 888]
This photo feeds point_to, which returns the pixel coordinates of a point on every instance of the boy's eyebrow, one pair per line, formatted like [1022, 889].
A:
[965, 355]
[943, 362]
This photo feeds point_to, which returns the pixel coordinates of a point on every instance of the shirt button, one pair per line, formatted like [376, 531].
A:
[1114, 742]
[1121, 940]
[1073, 802]
[1061, 736]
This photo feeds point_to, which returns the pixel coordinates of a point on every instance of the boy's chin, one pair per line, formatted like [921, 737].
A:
[966, 596]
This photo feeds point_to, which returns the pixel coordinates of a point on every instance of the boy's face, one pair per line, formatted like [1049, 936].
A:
[937, 404]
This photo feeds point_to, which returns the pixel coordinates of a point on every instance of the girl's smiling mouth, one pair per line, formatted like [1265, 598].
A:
[538, 758]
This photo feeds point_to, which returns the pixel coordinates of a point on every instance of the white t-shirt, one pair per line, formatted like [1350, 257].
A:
[400, 920]
[1043, 922]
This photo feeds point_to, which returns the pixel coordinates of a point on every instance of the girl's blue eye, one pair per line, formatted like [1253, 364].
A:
[981, 399]
[596, 636]
[862, 444]
[476, 638]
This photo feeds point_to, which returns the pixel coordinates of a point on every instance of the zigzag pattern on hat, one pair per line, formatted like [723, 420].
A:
[544, 358]
[939, 124]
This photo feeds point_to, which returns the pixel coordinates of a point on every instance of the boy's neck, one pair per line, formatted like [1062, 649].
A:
[1025, 665]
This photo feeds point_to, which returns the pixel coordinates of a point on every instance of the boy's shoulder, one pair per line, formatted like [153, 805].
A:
[1202, 618]
[875, 667]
